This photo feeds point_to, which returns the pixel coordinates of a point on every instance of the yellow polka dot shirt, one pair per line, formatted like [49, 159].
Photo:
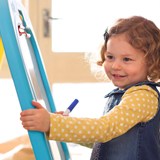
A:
[138, 104]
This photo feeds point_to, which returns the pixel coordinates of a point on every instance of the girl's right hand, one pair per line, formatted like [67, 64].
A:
[61, 112]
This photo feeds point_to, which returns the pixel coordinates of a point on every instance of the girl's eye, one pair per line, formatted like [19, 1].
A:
[127, 59]
[109, 57]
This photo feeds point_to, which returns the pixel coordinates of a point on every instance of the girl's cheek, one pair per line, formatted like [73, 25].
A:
[106, 67]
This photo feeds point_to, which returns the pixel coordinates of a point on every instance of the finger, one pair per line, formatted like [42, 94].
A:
[28, 112]
[28, 126]
[37, 105]
[32, 128]
[29, 122]
[59, 112]
[27, 118]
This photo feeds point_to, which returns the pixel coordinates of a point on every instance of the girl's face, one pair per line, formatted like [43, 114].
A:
[124, 65]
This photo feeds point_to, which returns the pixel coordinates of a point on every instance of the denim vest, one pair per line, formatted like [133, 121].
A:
[142, 142]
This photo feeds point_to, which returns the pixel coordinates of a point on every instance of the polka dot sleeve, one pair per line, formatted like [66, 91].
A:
[138, 104]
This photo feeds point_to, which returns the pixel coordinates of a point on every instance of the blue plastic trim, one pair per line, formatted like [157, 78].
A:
[24, 90]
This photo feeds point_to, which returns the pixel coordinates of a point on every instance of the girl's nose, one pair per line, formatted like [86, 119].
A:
[116, 65]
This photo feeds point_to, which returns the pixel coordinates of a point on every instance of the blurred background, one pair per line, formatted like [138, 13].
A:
[68, 32]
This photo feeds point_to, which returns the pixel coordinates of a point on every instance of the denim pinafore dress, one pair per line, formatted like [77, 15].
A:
[142, 142]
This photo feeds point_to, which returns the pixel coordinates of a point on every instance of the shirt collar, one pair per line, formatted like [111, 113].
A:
[120, 91]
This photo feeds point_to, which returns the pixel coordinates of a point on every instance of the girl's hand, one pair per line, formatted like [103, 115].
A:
[36, 119]
[59, 112]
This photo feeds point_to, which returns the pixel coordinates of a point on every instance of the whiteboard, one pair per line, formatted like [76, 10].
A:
[28, 73]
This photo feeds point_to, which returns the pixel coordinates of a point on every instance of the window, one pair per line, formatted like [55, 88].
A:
[81, 23]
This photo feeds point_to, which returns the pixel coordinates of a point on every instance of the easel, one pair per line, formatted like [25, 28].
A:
[28, 74]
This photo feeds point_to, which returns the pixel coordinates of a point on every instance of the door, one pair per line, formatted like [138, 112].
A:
[60, 67]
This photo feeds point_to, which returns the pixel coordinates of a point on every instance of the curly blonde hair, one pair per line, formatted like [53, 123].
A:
[142, 34]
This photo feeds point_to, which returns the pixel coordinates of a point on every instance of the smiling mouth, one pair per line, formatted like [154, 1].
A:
[118, 76]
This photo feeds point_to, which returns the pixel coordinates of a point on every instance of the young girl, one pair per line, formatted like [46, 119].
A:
[130, 126]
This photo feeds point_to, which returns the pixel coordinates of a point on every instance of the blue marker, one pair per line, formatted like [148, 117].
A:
[70, 108]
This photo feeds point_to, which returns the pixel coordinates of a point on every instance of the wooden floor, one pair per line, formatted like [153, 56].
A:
[17, 149]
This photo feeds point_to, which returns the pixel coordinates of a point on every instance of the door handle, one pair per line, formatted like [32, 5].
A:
[46, 22]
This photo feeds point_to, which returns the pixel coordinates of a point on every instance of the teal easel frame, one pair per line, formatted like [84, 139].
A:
[9, 10]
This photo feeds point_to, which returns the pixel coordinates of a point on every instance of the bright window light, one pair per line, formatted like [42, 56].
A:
[81, 23]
